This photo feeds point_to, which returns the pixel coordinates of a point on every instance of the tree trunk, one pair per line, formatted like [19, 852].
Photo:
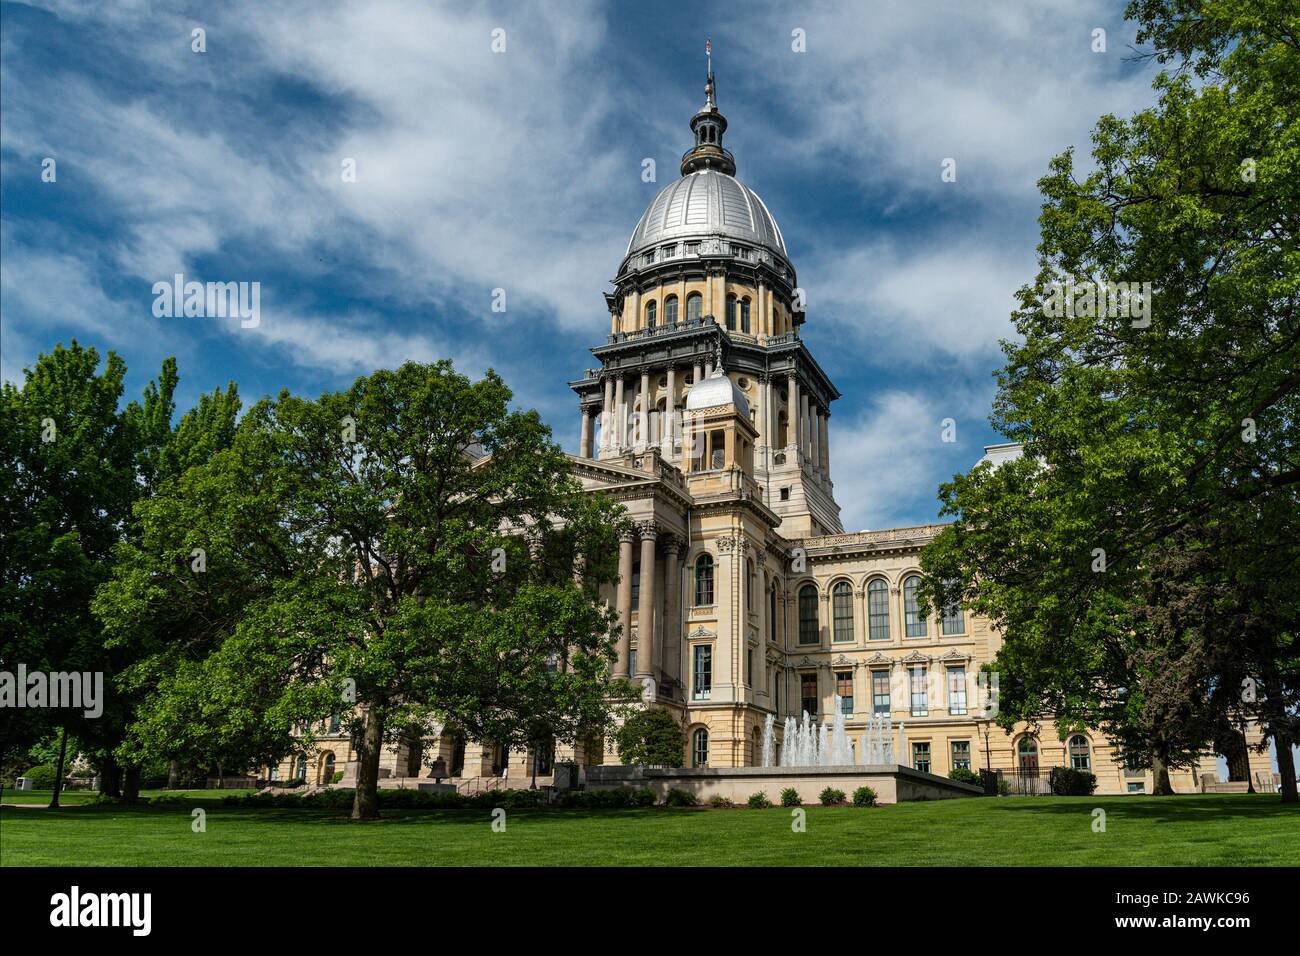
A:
[58, 771]
[131, 785]
[1160, 770]
[365, 806]
[1286, 767]
[174, 775]
[110, 778]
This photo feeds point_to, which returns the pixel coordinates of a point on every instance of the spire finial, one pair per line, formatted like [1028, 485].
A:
[708, 82]
[708, 125]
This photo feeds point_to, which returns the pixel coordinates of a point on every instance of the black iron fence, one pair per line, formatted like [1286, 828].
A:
[1025, 783]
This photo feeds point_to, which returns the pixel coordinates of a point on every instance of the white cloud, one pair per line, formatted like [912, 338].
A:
[887, 462]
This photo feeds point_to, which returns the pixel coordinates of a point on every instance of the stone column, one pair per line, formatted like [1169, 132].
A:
[814, 435]
[672, 629]
[620, 415]
[645, 629]
[607, 420]
[624, 602]
[645, 409]
[792, 410]
[584, 442]
[824, 443]
[698, 373]
[769, 418]
[668, 426]
[803, 424]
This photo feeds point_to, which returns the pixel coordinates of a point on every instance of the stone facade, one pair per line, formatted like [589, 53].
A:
[740, 595]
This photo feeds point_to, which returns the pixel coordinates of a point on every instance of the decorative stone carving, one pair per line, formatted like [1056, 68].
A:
[701, 633]
[916, 657]
[647, 529]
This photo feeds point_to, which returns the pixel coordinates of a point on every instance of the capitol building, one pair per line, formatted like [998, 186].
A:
[740, 594]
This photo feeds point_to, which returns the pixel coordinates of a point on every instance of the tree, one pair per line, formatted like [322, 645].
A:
[651, 738]
[71, 467]
[1140, 559]
[411, 546]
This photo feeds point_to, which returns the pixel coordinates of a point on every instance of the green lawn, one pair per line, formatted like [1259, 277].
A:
[73, 798]
[1213, 830]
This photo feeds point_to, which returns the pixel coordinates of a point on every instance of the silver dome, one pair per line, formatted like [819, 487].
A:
[707, 204]
[715, 390]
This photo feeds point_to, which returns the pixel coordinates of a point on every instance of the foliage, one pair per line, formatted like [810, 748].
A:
[864, 797]
[758, 801]
[789, 797]
[410, 545]
[719, 802]
[962, 775]
[42, 776]
[831, 797]
[677, 797]
[651, 737]
[1068, 782]
[1142, 560]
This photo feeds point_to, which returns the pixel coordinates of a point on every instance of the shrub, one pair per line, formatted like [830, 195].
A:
[651, 738]
[338, 775]
[758, 801]
[962, 775]
[42, 776]
[614, 798]
[680, 798]
[864, 797]
[718, 802]
[789, 797]
[1068, 782]
[830, 797]
[1004, 787]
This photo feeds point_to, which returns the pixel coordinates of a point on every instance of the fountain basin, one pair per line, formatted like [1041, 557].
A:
[893, 783]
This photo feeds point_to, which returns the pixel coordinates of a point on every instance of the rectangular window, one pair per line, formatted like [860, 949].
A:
[808, 692]
[880, 692]
[703, 671]
[957, 690]
[921, 757]
[844, 687]
[636, 583]
[920, 692]
[1137, 788]
[961, 755]
[631, 661]
[954, 621]
[749, 666]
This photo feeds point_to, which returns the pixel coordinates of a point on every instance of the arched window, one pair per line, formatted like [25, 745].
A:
[808, 615]
[694, 307]
[771, 614]
[327, 771]
[1027, 753]
[704, 581]
[700, 748]
[731, 313]
[878, 610]
[651, 309]
[301, 775]
[915, 623]
[842, 611]
[744, 315]
[756, 737]
[1080, 755]
[670, 310]
[954, 622]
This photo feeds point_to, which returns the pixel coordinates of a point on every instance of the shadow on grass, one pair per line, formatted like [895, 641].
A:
[1184, 808]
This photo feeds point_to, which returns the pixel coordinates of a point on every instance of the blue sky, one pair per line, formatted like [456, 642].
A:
[522, 170]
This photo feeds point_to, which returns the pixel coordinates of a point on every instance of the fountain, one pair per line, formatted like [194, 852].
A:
[841, 749]
[769, 739]
[823, 746]
[902, 740]
[789, 743]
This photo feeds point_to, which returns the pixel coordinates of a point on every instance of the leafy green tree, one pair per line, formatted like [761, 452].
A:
[651, 738]
[70, 472]
[1140, 560]
[411, 546]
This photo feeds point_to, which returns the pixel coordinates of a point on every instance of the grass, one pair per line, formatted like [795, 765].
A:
[76, 798]
[1209, 830]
